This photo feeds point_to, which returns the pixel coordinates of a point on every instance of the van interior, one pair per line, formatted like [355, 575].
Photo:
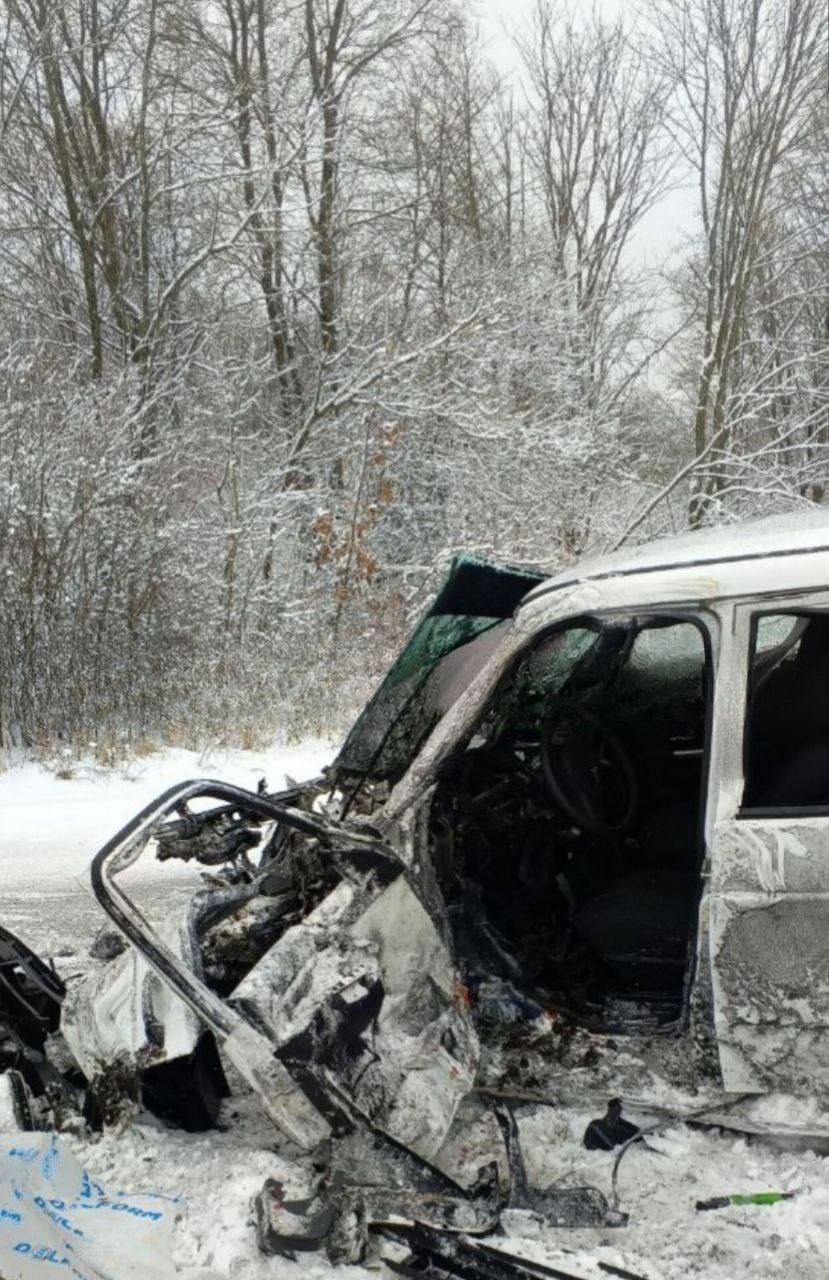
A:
[567, 833]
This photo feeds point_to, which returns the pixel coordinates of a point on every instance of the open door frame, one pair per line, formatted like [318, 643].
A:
[768, 899]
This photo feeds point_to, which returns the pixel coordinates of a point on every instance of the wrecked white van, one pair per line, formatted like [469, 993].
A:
[577, 844]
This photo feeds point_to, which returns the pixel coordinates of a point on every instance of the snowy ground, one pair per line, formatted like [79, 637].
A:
[51, 826]
[49, 830]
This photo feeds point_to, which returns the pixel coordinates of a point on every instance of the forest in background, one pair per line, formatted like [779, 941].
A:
[300, 297]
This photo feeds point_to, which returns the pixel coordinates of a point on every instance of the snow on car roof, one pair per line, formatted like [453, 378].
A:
[721, 553]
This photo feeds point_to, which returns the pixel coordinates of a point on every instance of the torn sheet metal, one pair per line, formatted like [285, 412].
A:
[359, 998]
[365, 988]
[126, 1012]
[245, 1045]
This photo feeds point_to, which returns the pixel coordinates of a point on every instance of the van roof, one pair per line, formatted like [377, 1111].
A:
[720, 561]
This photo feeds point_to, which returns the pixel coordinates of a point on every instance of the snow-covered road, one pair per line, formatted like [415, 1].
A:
[49, 830]
[50, 826]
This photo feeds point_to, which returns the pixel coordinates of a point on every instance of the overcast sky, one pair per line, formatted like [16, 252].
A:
[495, 14]
[669, 224]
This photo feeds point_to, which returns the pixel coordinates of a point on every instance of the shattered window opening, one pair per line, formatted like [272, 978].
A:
[786, 737]
[567, 836]
[449, 645]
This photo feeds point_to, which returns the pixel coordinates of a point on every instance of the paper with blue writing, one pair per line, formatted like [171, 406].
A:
[57, 1220]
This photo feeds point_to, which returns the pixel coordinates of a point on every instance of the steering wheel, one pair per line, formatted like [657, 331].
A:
[587, 769]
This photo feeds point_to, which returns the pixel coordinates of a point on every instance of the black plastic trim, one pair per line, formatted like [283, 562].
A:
[792, 811]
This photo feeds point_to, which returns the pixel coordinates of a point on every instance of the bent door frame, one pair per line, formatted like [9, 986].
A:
[768, 898]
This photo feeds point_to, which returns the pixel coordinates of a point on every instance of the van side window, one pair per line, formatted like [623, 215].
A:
[786, 750]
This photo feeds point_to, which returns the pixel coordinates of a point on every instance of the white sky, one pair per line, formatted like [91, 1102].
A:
[671, 221]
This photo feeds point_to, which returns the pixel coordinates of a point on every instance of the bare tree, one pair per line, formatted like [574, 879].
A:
[299, 297]
[595, 114]
[746, 76]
